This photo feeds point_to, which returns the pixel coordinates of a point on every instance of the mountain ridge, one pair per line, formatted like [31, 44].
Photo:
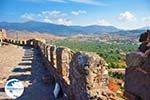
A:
[57, 29]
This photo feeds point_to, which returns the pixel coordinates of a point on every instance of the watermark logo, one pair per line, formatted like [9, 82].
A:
[14, 88]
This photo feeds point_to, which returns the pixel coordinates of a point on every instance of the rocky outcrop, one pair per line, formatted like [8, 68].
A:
[135, 59]
[137, 76]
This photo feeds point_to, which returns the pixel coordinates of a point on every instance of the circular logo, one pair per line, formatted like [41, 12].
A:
[14, 88]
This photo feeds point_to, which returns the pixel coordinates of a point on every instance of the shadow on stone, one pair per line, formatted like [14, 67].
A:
[25, 64]
[21, 77]
[2, 90]
[27, 59]
[21, 69]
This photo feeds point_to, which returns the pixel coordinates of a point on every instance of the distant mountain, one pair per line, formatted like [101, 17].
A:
[129, 33]
[33, 26]
[145, 28]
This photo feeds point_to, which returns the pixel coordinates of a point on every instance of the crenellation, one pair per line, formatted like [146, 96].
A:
[82, 76]
[43, 48]
[48, 52]
[2, 36]
[87, 70]
[64, 56]
[53, 55]
[23, 42]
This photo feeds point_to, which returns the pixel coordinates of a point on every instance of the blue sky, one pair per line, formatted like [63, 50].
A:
[125, 14]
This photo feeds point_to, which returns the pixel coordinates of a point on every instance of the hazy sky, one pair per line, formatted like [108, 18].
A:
[126, 14]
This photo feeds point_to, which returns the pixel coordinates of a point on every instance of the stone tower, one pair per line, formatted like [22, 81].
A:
[2, 36]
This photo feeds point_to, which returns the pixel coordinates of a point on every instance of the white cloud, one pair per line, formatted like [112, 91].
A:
[27, 17]
[47, 20]
[59, 1]
[78, 12]
[127, 16]
[54, 16]
[64, 21]
[146, 18]
[91, 2]
[140, 22]
[53, 13]
[103, 22]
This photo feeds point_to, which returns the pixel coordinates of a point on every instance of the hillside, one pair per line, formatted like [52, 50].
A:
[64, 30]
[42, 27]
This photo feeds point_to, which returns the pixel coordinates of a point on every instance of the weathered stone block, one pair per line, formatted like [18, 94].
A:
[137, 79]
[63, 59]
[48, 53]
[135, 59]
[87, 73]
[53, 55]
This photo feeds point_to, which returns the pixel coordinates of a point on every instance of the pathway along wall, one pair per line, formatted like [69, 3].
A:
[82, 76]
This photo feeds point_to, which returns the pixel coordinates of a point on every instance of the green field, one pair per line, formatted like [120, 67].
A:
[113, 52]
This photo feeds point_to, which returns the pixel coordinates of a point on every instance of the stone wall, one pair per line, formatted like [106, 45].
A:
[137, 77]
[82, 76]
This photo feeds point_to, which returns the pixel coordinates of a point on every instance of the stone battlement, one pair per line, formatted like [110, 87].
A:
[82, 76]
[2, 36]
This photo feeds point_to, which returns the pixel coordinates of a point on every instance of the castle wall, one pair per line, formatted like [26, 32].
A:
[82, 76]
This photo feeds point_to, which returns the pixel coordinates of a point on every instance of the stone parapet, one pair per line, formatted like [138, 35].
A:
[82, 76]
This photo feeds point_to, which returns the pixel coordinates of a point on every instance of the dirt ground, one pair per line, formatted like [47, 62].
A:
[25, 64]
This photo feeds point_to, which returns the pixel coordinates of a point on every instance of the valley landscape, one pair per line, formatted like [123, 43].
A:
[107, 41]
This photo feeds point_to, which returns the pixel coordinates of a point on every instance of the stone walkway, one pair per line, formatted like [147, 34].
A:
[25, 64]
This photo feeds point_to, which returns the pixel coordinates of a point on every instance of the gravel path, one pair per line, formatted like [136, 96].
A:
[25, 64]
